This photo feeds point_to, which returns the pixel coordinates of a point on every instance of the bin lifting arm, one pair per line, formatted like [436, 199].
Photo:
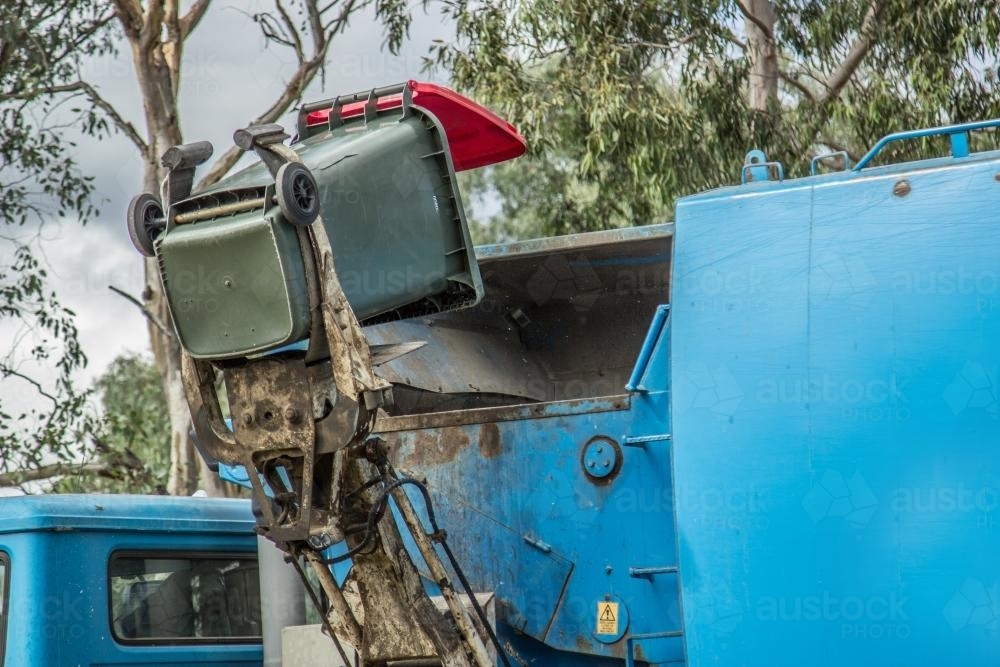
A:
[301, 427]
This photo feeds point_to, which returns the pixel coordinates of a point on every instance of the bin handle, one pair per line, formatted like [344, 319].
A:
[957, 133]
[335, 104]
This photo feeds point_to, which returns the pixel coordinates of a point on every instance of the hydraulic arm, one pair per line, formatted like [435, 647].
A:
[300, 416]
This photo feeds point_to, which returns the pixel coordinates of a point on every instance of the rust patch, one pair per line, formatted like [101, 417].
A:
[638, 652]
[436, 447]
[489, 440]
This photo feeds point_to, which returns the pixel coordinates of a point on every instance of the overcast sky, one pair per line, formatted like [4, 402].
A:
[228, 77]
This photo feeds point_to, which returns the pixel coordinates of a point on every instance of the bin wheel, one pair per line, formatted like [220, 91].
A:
[145, 222]
[298, 194]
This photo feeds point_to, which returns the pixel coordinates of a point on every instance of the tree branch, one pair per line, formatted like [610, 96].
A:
[334, 27]
[319, 31]
[173, 45]
[292, 92]
[130, 14]
[84, 36]
[322, 36]
[294, 37]
[82, 86]
[750, 16]
[798, 85]
[145, 311]
[18, 477]
[863, 44]
[193, 17]
[152, 24]
[727, 34]
[7, 371]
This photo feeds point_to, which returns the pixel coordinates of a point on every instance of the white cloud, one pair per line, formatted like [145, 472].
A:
[82, 262]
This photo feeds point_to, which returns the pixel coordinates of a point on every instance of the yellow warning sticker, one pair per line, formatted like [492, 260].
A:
[607, 618]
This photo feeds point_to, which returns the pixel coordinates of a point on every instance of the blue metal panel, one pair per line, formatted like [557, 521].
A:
[841, 405]
[528, 523]
[124, 512]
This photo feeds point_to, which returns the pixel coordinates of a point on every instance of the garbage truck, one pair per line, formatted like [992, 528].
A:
[763, 434]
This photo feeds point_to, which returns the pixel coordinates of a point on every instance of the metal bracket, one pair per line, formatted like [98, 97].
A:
[371, 108]
[641, 441]
[650, 572]
[266, 141]
[544, 547]
[646, 353]
[757, 168]
[843, 155]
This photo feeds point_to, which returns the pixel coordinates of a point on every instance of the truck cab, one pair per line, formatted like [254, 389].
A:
[128, 580]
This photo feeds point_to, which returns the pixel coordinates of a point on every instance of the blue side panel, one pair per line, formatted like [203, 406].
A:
[835, 351]
[528, 523]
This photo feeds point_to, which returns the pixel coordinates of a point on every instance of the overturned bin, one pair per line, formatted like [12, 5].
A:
[376, 168]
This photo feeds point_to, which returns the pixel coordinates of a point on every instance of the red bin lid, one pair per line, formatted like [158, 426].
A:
[477, 136]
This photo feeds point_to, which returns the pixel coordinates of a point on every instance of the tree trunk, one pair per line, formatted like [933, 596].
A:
[157, 65]
[759, 24]
[188, 472]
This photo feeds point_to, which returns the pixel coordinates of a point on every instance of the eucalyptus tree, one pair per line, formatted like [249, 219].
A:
[628, 104]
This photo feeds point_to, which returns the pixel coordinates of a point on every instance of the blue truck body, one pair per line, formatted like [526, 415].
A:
[856, 391]
[804, 455]
[559, 506]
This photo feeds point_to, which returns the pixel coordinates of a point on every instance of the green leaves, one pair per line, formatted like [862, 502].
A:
[47, 418]
[628, 105]
[42, 415]
[131, 442]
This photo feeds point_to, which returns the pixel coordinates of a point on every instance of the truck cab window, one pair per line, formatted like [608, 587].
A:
[184, 598]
